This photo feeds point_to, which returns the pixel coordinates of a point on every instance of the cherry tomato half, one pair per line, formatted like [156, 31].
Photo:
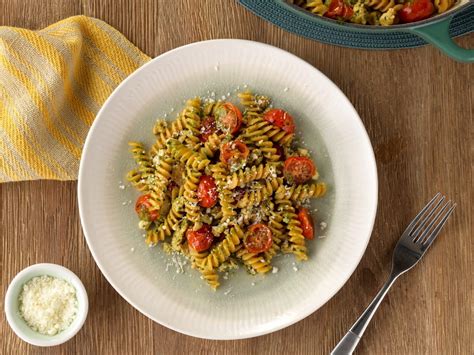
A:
[233, 152]
[201, 239]
[258, 238]
[281, 119]
[229, 118]
[207, 191]
[416, 10]
[338, 9]
[299, 169]
[208, 127]
[143, 206]
[306, 223]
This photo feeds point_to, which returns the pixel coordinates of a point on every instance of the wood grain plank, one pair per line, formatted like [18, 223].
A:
[417, 106]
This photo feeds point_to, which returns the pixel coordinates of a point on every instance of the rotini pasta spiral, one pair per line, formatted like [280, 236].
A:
[140, 155]
[179, 228]
[159, 127]
[361, 14]
[390, 16]
[192, 208]
[222, 251]
[157, 184]
[211, 146]
[144, 175]
[197, 258]
[259, 192]
[296, 240]
[299, 193]
[276, 226]
[177, 126]
[259, 130]
[226, 200]
[135, 178]
[197, 262]
[278, 234]
[158, 233]
[255, 262]
[243, 177]
[187, 156]
[443, 5]
[208, 109]
[253, 103]
[316, 7]
[211, 277]
[381, 5]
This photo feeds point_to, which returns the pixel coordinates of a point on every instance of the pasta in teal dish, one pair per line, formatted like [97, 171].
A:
[375, 12]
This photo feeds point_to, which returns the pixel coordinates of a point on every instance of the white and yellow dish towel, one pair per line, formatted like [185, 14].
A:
[52, 83]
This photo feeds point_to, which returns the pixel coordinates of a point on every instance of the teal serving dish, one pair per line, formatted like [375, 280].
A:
[437, 30]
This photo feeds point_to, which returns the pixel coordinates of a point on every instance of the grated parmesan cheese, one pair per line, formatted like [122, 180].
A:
[142, 224]
[48, 304]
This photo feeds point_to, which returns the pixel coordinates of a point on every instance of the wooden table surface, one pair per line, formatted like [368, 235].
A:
[417, 106]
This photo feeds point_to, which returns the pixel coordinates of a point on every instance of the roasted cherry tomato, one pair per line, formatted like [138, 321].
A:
[416, 10]
[338, 9]
[234, 152]
[306, 223]
[208, 127]
[258, 238]
[207, 191]
[299, 169]
[201, 239]
[143, 208]
[229, 118]
[281, 119]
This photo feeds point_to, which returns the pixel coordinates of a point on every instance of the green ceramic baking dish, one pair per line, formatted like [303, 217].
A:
[434, 30]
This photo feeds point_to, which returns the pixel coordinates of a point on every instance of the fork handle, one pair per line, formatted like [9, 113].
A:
[349, 342]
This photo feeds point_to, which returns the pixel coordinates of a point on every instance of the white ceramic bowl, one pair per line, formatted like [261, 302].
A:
[18, 324]
[244, 306]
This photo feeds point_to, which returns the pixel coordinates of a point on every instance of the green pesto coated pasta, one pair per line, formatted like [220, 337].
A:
[215, 187]
[367, 12]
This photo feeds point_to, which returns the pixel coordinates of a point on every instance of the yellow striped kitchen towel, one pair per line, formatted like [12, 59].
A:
[52, 83]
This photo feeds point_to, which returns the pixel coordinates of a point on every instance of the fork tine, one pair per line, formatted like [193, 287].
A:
[422, 233]
[427, 243]
[420, 214]
[426, 219]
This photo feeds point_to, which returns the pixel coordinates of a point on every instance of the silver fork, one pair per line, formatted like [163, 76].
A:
[411, 247]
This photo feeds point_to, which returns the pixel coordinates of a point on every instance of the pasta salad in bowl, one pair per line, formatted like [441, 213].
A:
[223, 188]
[249, 176]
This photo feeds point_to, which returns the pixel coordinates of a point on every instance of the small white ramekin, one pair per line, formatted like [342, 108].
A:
[18, 324]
